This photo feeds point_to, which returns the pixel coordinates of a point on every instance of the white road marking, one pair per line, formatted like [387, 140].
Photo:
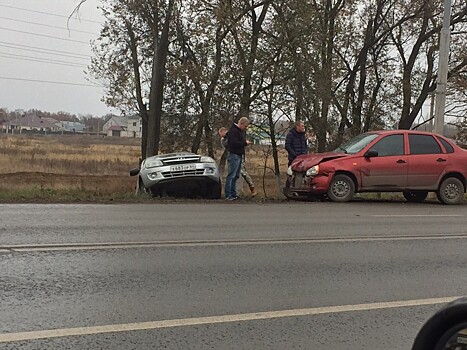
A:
[418, 215]
[185, 322]
[217, 243]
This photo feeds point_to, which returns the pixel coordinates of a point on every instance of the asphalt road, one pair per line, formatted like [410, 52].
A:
[227, 275]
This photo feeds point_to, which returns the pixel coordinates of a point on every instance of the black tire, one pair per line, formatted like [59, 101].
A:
[214, 191]
[415, 196]
[141, 190]
[341, 189]
[156, 191]
[451, 191]
[441, 326]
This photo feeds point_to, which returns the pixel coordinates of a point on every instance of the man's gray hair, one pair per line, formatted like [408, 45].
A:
[298, 123]
[243, 121]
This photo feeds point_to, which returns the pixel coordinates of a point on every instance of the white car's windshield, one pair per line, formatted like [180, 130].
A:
[356, 144]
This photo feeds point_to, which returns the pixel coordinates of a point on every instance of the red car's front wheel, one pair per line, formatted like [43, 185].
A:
[341, 189]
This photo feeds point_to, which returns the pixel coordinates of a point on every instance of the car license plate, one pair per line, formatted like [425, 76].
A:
[183, 167]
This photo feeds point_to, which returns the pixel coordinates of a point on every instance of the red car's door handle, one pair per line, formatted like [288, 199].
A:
[441, 160]
[401, 161]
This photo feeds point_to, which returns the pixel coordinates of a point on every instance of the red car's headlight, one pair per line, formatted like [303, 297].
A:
[312, 171]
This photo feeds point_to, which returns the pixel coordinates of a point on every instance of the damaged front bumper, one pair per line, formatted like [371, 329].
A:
[299, 184]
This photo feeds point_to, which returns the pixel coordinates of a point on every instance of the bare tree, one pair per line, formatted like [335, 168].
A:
[417, 41]
[136, 34]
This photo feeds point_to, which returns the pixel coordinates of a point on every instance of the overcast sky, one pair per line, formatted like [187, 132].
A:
[35, 45]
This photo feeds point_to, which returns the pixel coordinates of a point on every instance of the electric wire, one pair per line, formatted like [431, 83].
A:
[50, 14]
[43, 49]
[42, 59]
[33, 59]
[46, 36]
[46, 53]
[52, 82]
[47, 25]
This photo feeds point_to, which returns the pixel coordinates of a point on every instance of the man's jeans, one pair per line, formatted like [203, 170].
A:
[234, 162]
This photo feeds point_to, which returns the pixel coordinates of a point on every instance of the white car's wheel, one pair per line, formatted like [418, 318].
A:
[140, 189]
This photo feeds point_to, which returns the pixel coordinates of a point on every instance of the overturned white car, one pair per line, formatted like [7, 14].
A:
[179, 174]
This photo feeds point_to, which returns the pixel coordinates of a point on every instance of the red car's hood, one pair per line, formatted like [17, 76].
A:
[306, 161]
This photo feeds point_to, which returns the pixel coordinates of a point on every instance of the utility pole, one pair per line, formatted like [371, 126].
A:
[432, 112]
[444, 40]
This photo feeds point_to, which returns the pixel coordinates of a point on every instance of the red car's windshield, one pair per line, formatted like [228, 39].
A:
[356, 144]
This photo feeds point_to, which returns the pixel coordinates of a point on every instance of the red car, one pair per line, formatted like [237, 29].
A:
[413, 162]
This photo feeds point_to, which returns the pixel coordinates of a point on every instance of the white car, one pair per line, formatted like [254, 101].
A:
[180, 174]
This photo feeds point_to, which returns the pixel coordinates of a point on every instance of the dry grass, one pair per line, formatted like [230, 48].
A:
[92, 165]
[89, 168]
[65, 155]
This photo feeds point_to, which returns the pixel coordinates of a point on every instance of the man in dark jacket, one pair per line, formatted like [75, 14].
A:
[295, 142]
[223, 133]
[236, 144]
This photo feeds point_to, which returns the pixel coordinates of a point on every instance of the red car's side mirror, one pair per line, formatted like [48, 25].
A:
[371, 154]
[445, 330]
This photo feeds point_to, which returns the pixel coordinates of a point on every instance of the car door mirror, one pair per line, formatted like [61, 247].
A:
[445, 330]
[134, 172]
[371, 154]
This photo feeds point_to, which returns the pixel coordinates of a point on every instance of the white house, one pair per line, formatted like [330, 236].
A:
[134, 126]
[121, 126]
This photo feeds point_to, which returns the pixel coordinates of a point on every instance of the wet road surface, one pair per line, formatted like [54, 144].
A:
[226, 276]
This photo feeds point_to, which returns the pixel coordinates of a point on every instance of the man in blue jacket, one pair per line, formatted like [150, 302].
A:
[236, 144]
[295, 142]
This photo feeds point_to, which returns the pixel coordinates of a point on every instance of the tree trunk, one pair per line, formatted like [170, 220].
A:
[249, 63]
[272, 133]
[157, 83]
[206, 98]
[144, 137]
[139, 97]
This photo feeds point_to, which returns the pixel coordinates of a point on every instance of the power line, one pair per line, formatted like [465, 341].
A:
[47, 25]
[51, 82]
[45, 53]
[44, 49]
[43, 59]
[46, 36]
[27, 58]
[50, 14]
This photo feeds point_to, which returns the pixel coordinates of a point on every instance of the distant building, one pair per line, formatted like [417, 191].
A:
[120, 126]
[450, 131]
[31, 122]
[134, 126]
[261, 137]
[72, 126]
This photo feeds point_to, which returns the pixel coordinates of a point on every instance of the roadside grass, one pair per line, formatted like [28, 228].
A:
[82, 167]
[91, 169]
